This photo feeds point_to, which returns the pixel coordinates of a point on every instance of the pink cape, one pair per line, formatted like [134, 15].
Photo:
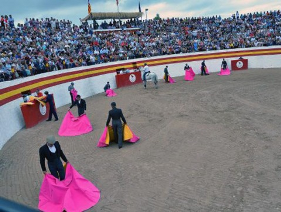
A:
[110, 93]
[224, 72]
[105, 137]
[74, 193]
[74, 94]
[207, 70]
[189, 74]
[171, 80]
[72, 126]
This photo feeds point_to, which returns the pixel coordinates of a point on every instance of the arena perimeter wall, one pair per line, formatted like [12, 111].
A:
[90, 80]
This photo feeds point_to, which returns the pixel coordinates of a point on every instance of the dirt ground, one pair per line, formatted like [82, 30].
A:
[208, 145]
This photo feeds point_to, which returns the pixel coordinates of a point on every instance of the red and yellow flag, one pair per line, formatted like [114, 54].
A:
[89, 7]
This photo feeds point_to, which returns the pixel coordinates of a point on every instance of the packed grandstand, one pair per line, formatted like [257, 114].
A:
[45, 45]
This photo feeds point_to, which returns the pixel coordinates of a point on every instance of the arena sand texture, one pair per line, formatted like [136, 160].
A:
[208, 145]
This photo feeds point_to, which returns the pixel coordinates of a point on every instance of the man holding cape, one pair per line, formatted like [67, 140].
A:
[116, 114]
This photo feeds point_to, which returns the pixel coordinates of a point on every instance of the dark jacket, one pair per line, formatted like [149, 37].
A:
[203, 65]
[115, 114]
[44, 152]
[107, 86]
[50, 100]
[224, 64]
[166, 71]
[81, 106]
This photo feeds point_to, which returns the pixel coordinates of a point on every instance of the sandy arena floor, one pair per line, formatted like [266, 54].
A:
[208, 145]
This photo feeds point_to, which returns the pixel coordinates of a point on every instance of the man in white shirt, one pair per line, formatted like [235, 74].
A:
[11, 21]
[52, 152]
[145, 71]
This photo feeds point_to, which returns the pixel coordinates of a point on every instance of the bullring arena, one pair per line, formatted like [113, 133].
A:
[212, 144]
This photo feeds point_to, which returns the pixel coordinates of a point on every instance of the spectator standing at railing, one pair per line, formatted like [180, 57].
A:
[6, 21]
[2, 22]
[11, 21]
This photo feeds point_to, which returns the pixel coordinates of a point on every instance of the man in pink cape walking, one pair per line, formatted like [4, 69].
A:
[81, 105]
[189, 73]
[224, 69]
[52, 152]
[167, 77]
[63, 190]
[204, 69]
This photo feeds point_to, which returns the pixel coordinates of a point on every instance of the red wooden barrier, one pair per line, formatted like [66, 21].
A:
[34, 114]
[128, 79]
[240, 64]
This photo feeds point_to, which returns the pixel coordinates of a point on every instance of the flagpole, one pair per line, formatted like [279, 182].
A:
[117, 1]
[90, 13]
[140, 9]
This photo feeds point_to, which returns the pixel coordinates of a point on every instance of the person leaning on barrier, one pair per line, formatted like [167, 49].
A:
[38, 93]
[49, 99]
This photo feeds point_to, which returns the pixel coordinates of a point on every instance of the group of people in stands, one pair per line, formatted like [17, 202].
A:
[45, 45]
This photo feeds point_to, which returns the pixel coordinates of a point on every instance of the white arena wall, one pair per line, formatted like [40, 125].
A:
[11, 120]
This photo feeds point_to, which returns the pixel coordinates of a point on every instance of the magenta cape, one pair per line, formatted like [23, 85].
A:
[74, 94]
[171, 80]
[207, 70]
[74, 193]
[189, 74]
[72, 126]
[224, 72]
[110, 93]
[108, 136]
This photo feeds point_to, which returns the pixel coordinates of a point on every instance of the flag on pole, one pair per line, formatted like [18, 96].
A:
[117, 2]
[139, 7]
[89, 7]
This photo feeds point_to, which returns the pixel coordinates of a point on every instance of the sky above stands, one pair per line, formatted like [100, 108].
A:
[75, 9]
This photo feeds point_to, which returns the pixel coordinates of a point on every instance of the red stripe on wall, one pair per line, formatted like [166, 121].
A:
[11, 98]
[219, 53]
[4, 90]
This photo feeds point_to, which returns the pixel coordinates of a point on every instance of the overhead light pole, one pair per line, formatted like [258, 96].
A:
[146, 14]
[146, 18]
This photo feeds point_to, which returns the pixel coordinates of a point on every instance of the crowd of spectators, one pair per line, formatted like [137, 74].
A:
[132, 23]
[44, 45]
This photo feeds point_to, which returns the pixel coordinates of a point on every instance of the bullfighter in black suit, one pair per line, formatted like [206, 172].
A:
[81, 104]
[52, 152]
[116, 114]
[203, 68]
[224, 64]
[49, 99]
